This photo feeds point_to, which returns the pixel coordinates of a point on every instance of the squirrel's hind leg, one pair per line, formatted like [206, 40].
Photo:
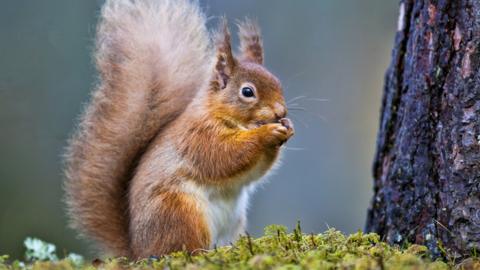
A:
[168, 222]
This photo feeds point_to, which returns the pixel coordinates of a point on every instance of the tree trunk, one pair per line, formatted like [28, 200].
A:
[427, 166]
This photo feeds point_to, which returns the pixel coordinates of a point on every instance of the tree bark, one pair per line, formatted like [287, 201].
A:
[427, 165]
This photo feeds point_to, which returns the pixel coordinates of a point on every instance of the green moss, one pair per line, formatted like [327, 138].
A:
[278, 249]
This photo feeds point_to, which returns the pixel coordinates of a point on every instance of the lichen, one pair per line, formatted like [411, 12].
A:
[277, 249]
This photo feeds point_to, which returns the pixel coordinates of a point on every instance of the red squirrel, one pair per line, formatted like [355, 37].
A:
[177, 132]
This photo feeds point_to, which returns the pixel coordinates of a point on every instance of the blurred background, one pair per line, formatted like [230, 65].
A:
[334, 53]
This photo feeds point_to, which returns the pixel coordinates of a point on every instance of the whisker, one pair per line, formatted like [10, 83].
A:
[318, 116]
[295, 98]
[299, 119]
[322, 118]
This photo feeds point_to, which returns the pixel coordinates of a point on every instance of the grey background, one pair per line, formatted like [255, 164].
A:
[329, 49]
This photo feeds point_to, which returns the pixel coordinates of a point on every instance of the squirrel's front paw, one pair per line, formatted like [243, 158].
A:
[279, 133]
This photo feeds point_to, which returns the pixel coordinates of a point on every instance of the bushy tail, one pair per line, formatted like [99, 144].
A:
[152, 56]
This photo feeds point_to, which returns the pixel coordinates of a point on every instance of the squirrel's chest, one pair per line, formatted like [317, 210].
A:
[226, 217]
[225, 214]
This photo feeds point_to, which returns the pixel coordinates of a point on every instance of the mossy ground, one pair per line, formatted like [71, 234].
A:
[278, 249]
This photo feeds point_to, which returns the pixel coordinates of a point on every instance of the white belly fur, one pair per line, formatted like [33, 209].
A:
[225, 213]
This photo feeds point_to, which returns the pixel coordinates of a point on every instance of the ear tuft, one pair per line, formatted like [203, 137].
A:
[251, 44]
[226, 63]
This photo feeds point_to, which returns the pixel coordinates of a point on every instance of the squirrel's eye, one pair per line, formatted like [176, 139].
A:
[248, 92]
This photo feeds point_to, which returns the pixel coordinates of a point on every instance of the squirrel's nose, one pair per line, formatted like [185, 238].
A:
[279, 110]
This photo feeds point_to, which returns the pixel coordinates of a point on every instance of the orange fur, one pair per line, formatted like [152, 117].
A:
[168, 142]
[181, 226]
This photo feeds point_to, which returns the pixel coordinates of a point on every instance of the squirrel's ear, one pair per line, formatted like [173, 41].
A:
[251, 45]
[226, 63]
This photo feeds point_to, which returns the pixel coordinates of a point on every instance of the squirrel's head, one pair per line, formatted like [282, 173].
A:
[242, 90]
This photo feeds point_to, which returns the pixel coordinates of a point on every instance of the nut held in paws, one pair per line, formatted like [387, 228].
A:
[286, 123]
